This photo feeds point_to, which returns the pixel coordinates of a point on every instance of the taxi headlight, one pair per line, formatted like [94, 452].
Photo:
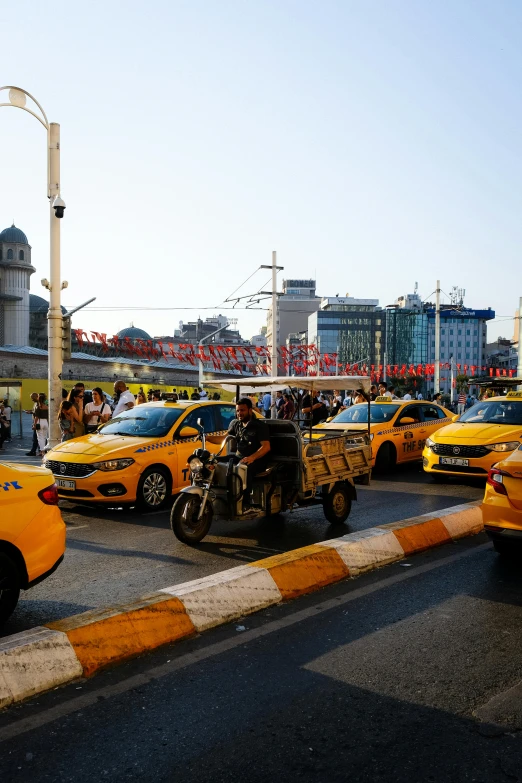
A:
[113, 464]
[509, 446]
[196, 465]
[371, 436]
[430, 442]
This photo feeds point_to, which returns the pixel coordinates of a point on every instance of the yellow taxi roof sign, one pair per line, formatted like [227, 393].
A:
[383, 399]
[516, 394]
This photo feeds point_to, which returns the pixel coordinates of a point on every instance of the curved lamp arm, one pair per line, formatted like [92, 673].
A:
[18, 100]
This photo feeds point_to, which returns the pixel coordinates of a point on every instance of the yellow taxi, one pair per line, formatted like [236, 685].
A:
[398, 428]
[138, 457]
[32, 532]
[502, 504]
[482, 435]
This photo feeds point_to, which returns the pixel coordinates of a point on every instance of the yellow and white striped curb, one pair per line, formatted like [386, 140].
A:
[42, 658]
[35, 661]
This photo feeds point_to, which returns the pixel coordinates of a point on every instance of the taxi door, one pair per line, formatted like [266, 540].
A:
[409, 434]
[434, 418]
[185, 446]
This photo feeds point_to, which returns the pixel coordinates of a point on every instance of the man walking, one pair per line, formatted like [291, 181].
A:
[267, 405]
[34, 446]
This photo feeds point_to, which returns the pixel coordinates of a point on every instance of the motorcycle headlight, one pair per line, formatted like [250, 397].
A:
[196, 465]
[430, 442]
[509, 446]
[113, 464]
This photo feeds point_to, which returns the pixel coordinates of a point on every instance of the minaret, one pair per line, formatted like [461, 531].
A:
[15, 274]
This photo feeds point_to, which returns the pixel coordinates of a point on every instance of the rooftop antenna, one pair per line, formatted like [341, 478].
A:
[416, 289]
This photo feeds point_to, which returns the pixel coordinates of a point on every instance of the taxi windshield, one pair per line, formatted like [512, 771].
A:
[358, 414]
[500, 412]
[142, 422]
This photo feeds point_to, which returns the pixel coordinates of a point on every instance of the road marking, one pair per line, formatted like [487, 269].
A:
[58, 711]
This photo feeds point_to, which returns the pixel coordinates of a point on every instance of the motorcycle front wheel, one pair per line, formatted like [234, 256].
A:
[184, 519]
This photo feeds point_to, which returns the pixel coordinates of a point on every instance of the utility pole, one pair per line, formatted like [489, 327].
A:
[519, 367]
[436, 378]
[274, 327]
[273, 353]
[452, 378]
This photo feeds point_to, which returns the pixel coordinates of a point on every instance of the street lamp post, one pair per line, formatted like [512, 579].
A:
[18, 100]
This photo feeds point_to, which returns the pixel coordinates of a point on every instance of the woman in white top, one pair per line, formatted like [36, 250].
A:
[96, 412]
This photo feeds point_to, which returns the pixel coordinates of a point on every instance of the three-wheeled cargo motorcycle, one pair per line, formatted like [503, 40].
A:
[305, 467]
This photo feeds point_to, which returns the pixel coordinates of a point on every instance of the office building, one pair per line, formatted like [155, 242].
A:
[352, 328]
[296, 303]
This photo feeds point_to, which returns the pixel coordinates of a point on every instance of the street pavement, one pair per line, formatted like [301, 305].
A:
[408, 673]
[116, 555]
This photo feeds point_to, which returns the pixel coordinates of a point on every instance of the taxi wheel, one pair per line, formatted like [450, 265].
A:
[386, 458]
[337, 505]
[9, 587]
[154, 488]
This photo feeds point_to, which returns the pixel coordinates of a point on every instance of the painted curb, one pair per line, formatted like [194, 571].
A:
[45, 657]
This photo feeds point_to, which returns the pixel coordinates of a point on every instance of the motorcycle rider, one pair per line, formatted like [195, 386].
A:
[252, 443]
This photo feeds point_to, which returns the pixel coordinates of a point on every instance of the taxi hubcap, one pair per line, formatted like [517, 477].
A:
[155, 489]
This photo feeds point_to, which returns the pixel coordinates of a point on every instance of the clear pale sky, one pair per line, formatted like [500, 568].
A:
[372, 144]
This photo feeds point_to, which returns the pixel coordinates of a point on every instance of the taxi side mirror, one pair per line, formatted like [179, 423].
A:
[455, 418]
[329, 419]
[407, 420]
[188, 432]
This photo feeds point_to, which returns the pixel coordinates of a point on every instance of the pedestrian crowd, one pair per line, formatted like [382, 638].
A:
[317, 408]
[82, 411]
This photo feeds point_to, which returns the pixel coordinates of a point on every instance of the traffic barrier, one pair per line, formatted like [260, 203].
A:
[34, 661]
[42, 658]
[105, 636]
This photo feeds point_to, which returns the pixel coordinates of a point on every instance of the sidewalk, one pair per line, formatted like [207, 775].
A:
[16, 449]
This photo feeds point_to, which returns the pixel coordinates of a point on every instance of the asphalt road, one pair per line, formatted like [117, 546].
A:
[405, 674]
[114, 556]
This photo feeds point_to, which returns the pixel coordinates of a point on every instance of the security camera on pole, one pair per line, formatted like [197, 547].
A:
[18, 100]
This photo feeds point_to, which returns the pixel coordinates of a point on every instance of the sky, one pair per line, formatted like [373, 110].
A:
[373, 145]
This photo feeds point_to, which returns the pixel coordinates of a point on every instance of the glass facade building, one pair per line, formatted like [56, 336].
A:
[406, 336]
[352, 328]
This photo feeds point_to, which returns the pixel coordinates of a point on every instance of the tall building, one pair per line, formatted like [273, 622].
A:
[352, 328]
[463, 336]
[15, 274]
[406, 339]
[296, 303]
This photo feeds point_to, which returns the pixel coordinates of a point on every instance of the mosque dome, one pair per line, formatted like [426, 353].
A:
[133, 333]
[13, 234]
[38, 304]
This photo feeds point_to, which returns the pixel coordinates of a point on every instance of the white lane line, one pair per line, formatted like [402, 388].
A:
[189, 659]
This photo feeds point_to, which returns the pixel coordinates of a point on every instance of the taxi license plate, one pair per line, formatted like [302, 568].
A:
[65, 483]
[454, 461]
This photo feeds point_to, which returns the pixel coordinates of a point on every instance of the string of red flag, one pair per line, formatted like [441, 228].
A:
[300, 360]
